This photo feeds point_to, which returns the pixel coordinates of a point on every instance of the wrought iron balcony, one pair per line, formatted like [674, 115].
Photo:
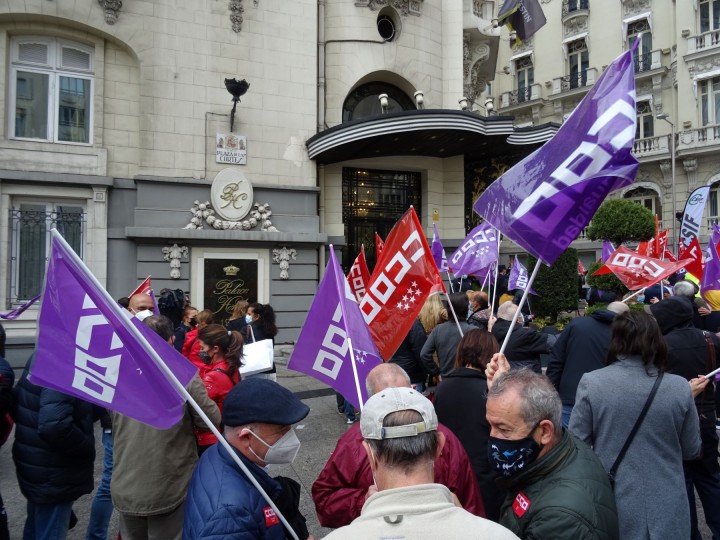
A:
[579, 80]
[520, 96]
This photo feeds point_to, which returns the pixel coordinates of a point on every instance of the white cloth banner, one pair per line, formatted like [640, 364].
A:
[692, 215]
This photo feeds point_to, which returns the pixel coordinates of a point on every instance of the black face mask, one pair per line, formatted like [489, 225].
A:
[509, 457]
[192, 322]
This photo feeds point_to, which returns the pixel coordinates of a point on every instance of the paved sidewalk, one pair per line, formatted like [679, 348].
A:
[318, 433]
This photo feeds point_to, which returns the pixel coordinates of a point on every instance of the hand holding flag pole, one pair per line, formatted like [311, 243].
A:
[110, 304]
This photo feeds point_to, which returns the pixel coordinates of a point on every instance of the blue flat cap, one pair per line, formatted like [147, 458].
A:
[262, 401]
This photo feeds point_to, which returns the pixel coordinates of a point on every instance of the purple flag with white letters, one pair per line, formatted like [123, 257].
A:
[608, 249]
[545, 201]
[438, 251]
[322, 350]
[518, 278]
[85, 348]
[478, 251]
[15, 313]
[711, 273]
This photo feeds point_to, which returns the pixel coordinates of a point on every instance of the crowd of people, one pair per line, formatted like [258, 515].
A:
[604, 431]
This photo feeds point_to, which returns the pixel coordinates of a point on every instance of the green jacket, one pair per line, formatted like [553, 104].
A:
[565, 494]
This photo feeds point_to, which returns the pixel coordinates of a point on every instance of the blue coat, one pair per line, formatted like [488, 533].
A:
[222, 503]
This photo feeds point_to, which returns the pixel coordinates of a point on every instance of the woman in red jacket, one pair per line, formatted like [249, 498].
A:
[191, 347]
[220, 350]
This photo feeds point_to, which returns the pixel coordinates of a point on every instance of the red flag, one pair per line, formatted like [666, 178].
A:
[144, 288]
[643, 248]
[401, 281]
[581, 268]
[694, 253]
[663, 244]
[668, 256]
[359, 275]
[637, 271]
[379, 245]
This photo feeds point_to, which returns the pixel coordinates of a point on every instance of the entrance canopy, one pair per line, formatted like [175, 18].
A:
[430, 132]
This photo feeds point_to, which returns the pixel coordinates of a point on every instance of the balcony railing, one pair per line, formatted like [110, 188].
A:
[520, 96]
[581, 79]
[703, 41]
[650, 146]
[700, 137]
[648, 61]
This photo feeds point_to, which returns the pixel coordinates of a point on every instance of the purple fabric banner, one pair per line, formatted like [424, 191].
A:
[322, 349]
[545, 201]
[518, 278]
[711, 273]
[438, 251]
[15, 313]
[86, 349]
[478, 251]
[608, 249]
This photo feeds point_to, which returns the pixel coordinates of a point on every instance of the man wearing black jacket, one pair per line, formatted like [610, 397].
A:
[525, 345]
[581, 348]
[692, 352]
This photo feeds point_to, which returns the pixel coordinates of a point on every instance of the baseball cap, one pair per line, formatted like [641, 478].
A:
[392, 400]
[262, 401]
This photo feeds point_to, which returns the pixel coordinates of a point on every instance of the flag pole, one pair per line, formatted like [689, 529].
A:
[79, 267]
[497, 273]
[341, 295]
[492, 290]
[520, 305]
[485, 280]
[635, 294]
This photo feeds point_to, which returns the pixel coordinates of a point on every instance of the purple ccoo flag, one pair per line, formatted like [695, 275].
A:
[711, 273]
[322, 350]
[87, 349]
[518, 278]
[608, 249]
[15, 313]
[438, 251]
[547, 199]
[478, 251]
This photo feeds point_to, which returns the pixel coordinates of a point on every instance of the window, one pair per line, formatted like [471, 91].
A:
[578, 62]
[710, 101]
[713, 209]
[30, 224]
[643, 54]
[575, 5]
[525, 78]
[709, 15]
[645, 123]
[363, 101]
[51, 89]
[647, 198]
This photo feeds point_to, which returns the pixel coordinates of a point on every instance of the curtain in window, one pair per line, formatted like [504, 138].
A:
[32, 248]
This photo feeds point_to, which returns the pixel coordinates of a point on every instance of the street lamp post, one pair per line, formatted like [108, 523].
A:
[666, 117]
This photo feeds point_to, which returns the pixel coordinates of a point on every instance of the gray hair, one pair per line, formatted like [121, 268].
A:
[507, 311]
[685, 288]
[618, 307]
[161, 325]
[405, 453]
[538, 398]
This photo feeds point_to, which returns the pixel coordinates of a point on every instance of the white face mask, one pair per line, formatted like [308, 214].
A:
[282, 452]
[144, 314]
[248, 319]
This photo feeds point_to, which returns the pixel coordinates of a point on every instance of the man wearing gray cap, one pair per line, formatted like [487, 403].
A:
[222, 502]
[399, 428]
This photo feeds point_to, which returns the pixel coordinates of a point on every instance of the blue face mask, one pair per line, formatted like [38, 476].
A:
[509, 457]
[248, 319]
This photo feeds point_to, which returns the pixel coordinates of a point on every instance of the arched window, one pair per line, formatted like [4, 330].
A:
[363, 101]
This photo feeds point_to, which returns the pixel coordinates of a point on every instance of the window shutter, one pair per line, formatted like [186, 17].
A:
[33, 53]
[75, 59]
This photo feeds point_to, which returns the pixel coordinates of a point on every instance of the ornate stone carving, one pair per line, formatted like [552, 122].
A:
[111, 8]
[405, 7]
[474, 54]
[666, 170]
[173, 254]
[576, 25]
[524, 46]
[283, 256]
[631, 7]
[204, 213]
[236, 10]
[690, 166]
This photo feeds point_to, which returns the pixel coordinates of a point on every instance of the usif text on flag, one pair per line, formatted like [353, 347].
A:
[544, 202]
[402, 280]
[692, 214]
[86, 348]
[478, 251]
[359, 276]
[638, 271]
[322, 349]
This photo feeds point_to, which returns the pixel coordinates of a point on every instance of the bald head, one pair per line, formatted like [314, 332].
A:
[618, 307]
[386, 375]
[140, 302]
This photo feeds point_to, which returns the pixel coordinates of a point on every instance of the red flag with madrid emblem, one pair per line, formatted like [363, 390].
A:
[402, 280]
[359, 276]
[638, 271]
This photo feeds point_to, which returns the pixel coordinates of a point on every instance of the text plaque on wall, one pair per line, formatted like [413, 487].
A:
[226, 282]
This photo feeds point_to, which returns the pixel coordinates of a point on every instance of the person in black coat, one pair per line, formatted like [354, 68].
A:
[692, 352]
[582, 347]
[525, 345]
[408, 356]
[460, 405]
[54, 454]
[7, 406]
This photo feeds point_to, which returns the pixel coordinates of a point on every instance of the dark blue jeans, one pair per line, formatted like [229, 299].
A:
[704, 476]
[102, 507]
[47, 521]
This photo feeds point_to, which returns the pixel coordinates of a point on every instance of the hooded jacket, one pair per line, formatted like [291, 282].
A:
[581, 348]
[688, 354]
[525, 345]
